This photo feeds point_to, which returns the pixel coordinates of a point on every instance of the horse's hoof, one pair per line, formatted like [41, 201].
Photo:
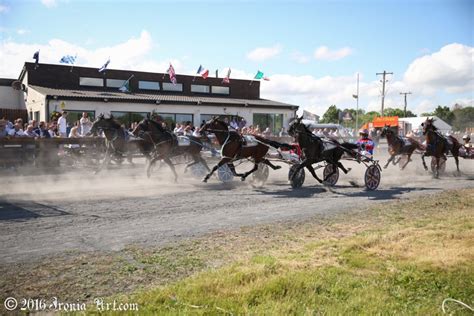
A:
[385, 167]
[204, 180]
[277, 167]
[242, 178]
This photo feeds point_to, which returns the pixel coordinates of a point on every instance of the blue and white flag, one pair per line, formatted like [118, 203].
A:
[36, 56]
[104, 66]
[68, 59]
[125, 88]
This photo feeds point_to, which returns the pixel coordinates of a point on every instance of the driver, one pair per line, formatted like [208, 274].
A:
[365, 143]
[467, 144]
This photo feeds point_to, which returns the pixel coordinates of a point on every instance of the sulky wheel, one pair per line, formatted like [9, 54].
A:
[198, 170]
[261, 174]
[298, 179]
[372, 177]
[442, 164]
[332, 180]
[225, 174]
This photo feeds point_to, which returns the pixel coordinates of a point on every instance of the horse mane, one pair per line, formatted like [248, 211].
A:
[115, 123]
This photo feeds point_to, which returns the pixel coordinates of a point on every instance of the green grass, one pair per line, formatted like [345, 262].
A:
[406, 259]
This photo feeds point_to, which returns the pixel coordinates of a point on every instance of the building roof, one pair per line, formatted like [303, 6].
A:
[416, 122]
[6, 82]
[82, 95]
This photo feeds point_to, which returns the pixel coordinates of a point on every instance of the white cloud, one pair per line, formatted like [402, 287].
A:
[131, 55]
[4, 8]
[49, 3]
[22, 31]
[300, 57]
[324, 53]
[451, 69]
[264, 53]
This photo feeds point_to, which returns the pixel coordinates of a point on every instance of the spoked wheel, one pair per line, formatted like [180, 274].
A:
[442, 165]
[332, 180]
[372, 177]
[298, 179]
[225, 174]
[198, 170]
[402, 161]
[260, 176]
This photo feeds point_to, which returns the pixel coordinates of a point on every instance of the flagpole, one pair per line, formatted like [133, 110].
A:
[357, 108]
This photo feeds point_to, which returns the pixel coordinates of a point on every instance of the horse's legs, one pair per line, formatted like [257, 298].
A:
[457, 164]
[408, 160]
[424, 162]
[339, 164]
[150, 163]
[437, 168]
[388, 162]
[234, 172]
[311, 170]
[220, 163]
[255, 168]
[195, 161]
[167, 160]
[268, 163]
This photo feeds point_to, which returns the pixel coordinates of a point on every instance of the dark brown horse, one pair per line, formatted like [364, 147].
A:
[233, 149]
[438, 146]
[316, 150]
[165, 145]
[398, 146]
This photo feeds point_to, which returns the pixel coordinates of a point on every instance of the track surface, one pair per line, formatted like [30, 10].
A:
[44, 215]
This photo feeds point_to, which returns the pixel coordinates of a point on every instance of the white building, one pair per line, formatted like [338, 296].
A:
[408, 124]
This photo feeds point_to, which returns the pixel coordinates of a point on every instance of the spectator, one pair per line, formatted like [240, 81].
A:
[242, 123]
[41, 130]
[74, 132]
[16, 131]
[3, 128]
[29, 131]
[267, 132]
[86, 124]
[53, 129]
[283, 132]
[62, 125]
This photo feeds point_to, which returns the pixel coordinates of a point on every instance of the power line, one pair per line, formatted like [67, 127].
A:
[384, 73]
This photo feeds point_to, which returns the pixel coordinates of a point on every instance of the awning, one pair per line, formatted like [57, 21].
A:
[391, 121]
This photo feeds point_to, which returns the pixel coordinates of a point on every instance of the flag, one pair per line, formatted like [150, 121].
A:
[68, 59]
[36, 57]
[227, 77]
[172, 74]
[200, 69]
[259, 75]
[126, 86]
[104, 66]
[205, 74]
[355, 96]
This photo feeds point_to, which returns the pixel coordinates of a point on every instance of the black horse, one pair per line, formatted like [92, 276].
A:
[438, 146]
[117, 142]
[165, 145]
[316, 150]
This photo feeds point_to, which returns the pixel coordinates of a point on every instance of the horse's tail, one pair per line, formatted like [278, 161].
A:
[270, 142]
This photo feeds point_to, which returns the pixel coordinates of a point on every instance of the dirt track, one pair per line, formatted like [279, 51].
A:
[43, 215]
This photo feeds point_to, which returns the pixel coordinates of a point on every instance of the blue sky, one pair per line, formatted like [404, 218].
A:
[311, 50]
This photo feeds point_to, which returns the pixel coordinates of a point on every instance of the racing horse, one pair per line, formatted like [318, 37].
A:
[438, 146]
[399, 146]
[316, 150]
[233, 148]
[166, 145]
[117, 142]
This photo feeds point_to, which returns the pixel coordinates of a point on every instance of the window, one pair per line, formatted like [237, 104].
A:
[199, 88]
[127, 118]
[274, 121]
[148, 85]
[220, 90]
[171, 118]
[94, 82]
[168, 86]
[115, 83]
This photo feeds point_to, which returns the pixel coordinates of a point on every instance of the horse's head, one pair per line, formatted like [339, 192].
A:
[428, 126]
[296, 127]
[141, 127]
[214, 125]
[102, 123]
[97, 124]
[386, 130]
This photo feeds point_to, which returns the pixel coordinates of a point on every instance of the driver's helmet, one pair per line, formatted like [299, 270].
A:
[364, 132]
[466, 137]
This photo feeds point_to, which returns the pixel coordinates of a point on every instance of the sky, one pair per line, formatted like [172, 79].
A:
[311, 51]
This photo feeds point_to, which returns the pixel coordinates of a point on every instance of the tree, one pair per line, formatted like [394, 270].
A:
[398, 112]
[463, 118]
[444, 113]
[331, 115]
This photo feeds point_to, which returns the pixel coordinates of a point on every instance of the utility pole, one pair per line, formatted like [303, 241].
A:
[384, 73]
[405, 107]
